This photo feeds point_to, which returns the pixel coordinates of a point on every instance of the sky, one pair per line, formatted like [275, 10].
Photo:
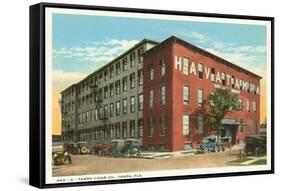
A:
[84, 43]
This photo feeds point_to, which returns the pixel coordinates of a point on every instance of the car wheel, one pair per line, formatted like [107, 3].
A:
[206, 150]
[220, 148]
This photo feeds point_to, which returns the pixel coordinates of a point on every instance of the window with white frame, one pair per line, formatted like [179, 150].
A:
[150, 127]
[150, 72]
[254, 106]
[124, 84]
[140, 102]
[150, 101]
[162, 125]
[132, 104]
[140, 77]
[111, 109]
[185, 94]
[125, 106]
[117, 107]
[132, 129]
[132, 80]
[185, 124]
[200, 96]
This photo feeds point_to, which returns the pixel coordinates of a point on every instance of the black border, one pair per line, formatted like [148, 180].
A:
[37, 93]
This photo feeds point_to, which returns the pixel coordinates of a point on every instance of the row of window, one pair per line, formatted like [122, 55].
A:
[103, 112]
[114, 131]
[151, 123]
[109, 73]
[248, 126]
[200, 98]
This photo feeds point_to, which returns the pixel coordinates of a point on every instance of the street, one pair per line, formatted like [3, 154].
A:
[90, 164]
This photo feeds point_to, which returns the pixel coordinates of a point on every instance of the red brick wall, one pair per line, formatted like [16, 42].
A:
[174, 108]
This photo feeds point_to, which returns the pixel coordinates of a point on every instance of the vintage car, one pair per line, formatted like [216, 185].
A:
[210, 144]
[59, 155]
[99, 149]
[255, 145]
[124, 148]
[77, 148]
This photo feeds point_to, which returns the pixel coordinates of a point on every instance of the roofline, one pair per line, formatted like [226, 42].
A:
[111, 62]
[222, 60]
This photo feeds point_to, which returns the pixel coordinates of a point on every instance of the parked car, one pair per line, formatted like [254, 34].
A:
[131, 148]
[59, 155]
[225, 142]
[78, 148]
[124, 148]
[255, 145]
[99, 149]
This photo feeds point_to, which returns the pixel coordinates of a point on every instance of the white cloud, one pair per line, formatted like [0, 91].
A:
[62, 79]
[99, 52]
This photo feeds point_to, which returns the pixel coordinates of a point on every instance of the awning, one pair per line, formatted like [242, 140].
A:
[229, 122]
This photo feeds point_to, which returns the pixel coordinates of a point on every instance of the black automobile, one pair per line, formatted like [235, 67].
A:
[59, 155]
[79, 148]
[124, 148]
[255, 145]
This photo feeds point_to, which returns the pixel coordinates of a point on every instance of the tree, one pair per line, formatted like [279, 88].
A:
[216, 106]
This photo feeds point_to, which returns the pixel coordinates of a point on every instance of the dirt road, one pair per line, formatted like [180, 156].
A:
[88, 164]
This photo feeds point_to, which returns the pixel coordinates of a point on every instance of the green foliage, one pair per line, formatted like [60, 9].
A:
[219, 103]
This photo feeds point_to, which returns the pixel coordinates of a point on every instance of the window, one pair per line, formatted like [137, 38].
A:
[133, 59]
[150, 101]
[105, 111]
[132, 80]
[105, 92]
[185, 124]
[200, 96]
[111, 127]
[105, 75]
[124, 106]
[162, 125]
[162, 67]
[200, 71]
[100, 78]
[117, 128]
[111, 109]
[83, 117]
[132, 128]
[241, 126]
[140, 77]
[254, 106]
[117, 87]
[185, 66]
[240, 102]
[111, 71]
[241, 84]
[248, 105]
[96, 114]
[212, 74]
[150, 127]
[124, 84]
[140, 53]
[100, 95]
[223, 78]
[248, 127]
[87, 116]
[124, 129]
[125, 64]
[162, 95]
[100, 115]
[117, 107]
[140, 127]
[132, 104]
[118, 68]
[140, 102]
[200, 125]
[150, 72]
[185, 94]
[111, 90]
[255, 127]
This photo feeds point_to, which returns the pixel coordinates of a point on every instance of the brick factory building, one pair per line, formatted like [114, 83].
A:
[177, 77]
[151, 93]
